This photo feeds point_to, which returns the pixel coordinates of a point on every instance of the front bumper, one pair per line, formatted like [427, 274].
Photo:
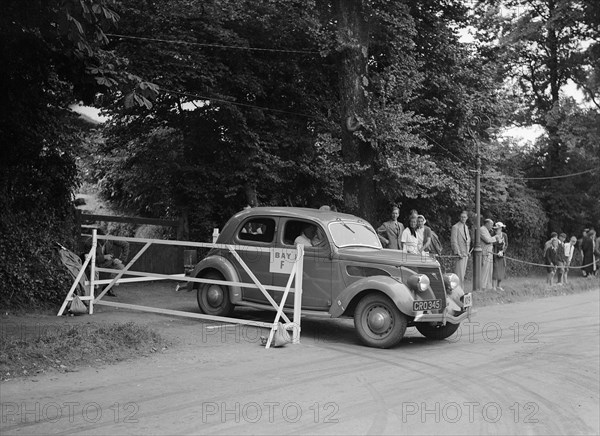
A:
[444, 317]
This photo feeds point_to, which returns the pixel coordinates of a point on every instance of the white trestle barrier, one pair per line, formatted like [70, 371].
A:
[295, 277]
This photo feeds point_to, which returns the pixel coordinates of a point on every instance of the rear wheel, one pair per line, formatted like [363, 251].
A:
[435, 331]
[379, 322]
[214, 299]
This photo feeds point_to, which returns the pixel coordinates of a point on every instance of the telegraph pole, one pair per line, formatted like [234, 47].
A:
[477, 251]
[477, 247]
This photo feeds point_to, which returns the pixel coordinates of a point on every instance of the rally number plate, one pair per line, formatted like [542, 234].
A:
[420, 305]
[467, 300]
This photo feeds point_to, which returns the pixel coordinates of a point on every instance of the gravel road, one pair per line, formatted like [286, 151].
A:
[523, 368]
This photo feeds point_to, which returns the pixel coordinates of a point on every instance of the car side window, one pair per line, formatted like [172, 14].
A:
[292, 230]
[258, 230]
[296, 229]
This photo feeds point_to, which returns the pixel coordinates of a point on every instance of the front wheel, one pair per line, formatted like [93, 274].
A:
[214, 299]
[379, 322]
[435, 331]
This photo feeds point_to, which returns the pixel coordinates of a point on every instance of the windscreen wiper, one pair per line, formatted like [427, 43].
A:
[346, 225]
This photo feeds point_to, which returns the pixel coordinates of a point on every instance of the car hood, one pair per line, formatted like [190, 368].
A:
[385, 257]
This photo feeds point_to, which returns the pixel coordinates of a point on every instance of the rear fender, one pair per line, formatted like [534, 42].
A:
[225, 268]
[398, 292]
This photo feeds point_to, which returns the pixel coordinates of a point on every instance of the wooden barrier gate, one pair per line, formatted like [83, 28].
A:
[295, 276]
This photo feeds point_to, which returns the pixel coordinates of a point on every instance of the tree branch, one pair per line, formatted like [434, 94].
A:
[588, 91]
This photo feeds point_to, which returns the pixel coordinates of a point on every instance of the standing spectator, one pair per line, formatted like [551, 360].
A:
[596, 250]
[569, 250]
[580, 248]
[499, 248]
[587, 248]
[390, 232]
[562, 260]
[548, 243]
[551, 258]
[461, 242]
[424, 235]
[409, 236]
[487, 255]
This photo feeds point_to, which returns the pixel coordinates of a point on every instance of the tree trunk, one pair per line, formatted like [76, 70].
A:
[353, 37]
[554, 142]
[555, 160]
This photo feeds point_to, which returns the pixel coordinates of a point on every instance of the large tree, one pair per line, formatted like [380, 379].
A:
[359, 104]
[353, 30]
[47, 50]
[543, 45]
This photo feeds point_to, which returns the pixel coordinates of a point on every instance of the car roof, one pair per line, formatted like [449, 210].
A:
[324, 216]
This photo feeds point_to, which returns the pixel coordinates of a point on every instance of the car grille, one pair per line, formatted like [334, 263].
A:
[436, 282]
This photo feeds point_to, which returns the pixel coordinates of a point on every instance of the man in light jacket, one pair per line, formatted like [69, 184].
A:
[461, 243]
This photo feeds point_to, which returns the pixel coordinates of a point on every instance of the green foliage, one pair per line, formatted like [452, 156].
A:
[31, 273]
[573, 202]
[543, 45]
[249, 105]
[423, 91]
[47, 47]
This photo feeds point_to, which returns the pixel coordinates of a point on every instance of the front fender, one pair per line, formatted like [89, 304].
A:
[224, 267]
[454, 301]
[398, 292]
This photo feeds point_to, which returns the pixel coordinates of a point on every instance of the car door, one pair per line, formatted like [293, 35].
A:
[317, 265]
[256, 232]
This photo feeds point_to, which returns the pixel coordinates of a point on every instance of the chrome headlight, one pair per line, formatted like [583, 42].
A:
[418, 282]
[451, 281]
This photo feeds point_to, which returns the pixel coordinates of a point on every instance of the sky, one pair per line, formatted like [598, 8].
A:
[91, 112]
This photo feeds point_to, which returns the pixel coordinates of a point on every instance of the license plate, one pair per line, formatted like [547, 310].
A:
[421, 305]
[468, 300]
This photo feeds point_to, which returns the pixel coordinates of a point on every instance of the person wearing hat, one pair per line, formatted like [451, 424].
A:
[487, 256]
[499, 249]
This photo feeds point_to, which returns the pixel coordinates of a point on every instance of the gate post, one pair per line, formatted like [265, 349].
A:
[93, 268]
[298, 294]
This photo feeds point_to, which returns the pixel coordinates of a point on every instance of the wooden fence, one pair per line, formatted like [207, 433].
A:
[161, 259]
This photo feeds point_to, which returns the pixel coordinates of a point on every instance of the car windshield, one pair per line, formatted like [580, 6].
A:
[353, 234]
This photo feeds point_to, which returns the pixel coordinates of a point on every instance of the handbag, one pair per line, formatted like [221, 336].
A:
[77, 306]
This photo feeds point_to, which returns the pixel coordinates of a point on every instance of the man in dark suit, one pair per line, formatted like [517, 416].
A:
[390, 232]
[461, 243]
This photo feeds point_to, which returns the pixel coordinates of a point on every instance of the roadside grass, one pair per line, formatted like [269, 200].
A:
[26, 352]
[529, 288]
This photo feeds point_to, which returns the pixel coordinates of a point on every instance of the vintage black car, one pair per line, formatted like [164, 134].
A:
[347, 273]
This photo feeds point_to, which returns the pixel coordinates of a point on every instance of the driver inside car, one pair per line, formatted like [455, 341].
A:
[305, 238]
[311, 236]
